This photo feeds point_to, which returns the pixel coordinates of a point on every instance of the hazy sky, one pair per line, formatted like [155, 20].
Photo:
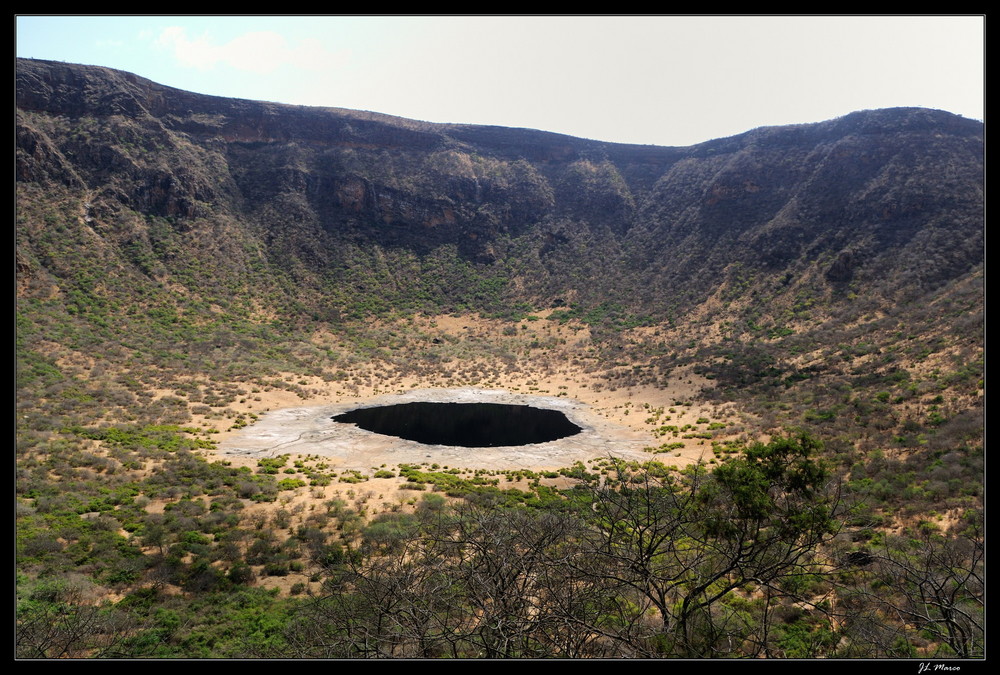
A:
[664, 80]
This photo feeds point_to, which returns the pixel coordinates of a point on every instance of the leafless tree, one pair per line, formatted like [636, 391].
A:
[51, 631]
[929, 590]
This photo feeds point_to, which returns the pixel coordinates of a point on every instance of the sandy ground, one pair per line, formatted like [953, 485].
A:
[616, 421]
[311, 431]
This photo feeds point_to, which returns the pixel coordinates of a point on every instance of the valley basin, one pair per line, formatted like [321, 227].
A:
[312, 431]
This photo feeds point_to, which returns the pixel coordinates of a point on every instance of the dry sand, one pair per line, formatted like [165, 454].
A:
[311, 431]
[616, 421]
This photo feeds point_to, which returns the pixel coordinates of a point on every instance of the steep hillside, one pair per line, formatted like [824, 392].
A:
[889, 198]
[181, 256]
[158, 210]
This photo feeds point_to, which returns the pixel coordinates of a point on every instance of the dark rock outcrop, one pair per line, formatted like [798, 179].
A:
[892, 197]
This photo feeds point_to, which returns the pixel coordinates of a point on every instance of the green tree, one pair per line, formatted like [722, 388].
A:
[684, 544]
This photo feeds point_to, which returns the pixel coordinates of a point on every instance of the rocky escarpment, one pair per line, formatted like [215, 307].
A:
[887, 198]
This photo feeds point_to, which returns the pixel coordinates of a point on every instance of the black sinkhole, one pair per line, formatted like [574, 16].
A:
[468, 425]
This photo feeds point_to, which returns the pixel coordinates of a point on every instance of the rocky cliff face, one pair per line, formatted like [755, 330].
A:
[891, 199]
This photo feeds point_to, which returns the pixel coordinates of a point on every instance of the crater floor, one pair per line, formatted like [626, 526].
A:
[311, 431]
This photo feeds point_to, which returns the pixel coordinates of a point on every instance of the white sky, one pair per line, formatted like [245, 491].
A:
[664, 80]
